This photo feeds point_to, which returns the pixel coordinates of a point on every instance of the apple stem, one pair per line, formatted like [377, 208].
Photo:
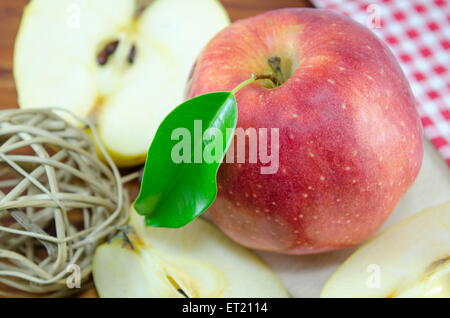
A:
[255, 78]
[126, 240]
[274, 80]
[243, 84]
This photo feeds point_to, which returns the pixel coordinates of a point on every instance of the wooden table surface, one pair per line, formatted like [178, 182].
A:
[10, 15]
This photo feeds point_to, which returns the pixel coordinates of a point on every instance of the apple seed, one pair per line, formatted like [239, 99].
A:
[132, 54]
[106, 52]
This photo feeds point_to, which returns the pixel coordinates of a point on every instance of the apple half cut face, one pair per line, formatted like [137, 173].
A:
[410, 259]
[195, 261]
[120, 65]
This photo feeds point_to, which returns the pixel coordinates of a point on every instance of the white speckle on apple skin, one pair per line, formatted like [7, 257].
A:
[332, 82]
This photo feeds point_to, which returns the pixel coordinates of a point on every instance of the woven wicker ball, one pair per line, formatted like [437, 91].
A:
[58, 201]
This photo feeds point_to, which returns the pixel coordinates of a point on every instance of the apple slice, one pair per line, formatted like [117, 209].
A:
[108, 61]
[409, 259]
[194, 261]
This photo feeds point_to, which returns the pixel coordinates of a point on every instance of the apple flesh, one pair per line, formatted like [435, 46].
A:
[121, 67]
[195, 261]
[409, 259]
[350, 139]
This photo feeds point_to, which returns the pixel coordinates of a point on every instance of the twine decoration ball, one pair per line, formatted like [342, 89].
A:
[58, 201]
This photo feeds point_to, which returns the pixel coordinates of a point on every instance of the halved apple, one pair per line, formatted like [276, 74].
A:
[409, 259]
[194, 261]
[113, 62]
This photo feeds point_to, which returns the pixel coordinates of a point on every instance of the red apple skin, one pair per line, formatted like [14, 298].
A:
[350, 136]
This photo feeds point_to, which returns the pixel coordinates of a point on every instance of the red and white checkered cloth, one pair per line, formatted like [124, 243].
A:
[418, 32]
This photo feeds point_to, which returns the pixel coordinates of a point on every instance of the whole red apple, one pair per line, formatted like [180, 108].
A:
[350, 137]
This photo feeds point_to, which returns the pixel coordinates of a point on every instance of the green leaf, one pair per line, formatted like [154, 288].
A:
[179, 181]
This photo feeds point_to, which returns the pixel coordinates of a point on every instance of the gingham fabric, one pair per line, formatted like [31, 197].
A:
[418, 32]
